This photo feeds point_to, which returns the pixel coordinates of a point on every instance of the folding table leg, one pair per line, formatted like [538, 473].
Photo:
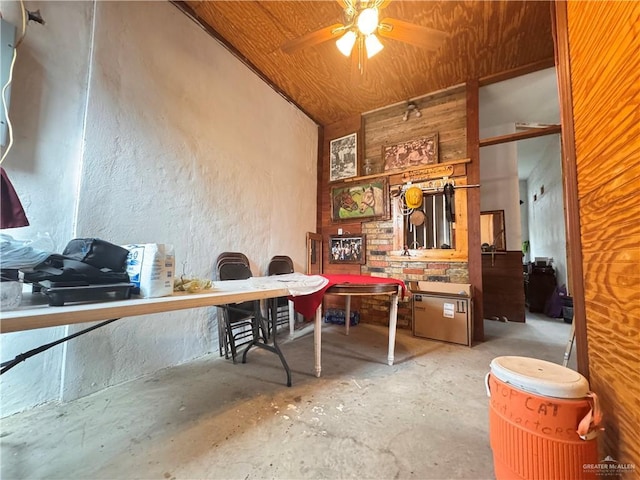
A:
[317, 340]
[393, 320]
[292, 318]
[347, 315]
[569, 347]
[262, 343]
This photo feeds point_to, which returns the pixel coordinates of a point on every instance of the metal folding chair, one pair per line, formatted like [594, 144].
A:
[242, 323]
[237, 323]
[280, 309]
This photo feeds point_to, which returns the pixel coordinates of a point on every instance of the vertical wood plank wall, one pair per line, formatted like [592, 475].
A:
[443, 112]
[604, 51]
[473, 206]
[331, 132]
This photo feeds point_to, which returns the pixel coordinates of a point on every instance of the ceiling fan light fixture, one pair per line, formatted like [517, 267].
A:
[368, 21]
[373, 45]
[346, 42]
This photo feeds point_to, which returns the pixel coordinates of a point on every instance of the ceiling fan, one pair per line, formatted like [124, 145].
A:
[361, 24]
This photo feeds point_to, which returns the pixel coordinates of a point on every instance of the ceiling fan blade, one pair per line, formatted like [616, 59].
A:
[313, 38]
[411, 33]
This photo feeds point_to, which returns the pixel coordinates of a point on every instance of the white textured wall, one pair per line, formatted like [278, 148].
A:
[547, 232]
[531, 98]
[48, 98]
[182, 145]
[543, 222]
[499, 188]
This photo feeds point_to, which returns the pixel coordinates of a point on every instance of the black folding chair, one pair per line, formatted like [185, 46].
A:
[242, 323]
[279, 307]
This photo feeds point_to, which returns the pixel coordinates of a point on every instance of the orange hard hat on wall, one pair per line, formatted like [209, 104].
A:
[413, 197]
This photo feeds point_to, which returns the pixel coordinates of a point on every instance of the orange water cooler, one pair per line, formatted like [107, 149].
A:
[536, 410]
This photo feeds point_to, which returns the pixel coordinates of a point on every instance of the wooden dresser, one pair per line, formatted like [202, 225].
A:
[503, 285]
[539, 287]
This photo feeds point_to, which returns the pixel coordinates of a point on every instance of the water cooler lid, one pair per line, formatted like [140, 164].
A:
[540, 377]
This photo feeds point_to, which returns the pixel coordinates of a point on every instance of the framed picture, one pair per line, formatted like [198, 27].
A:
[413, 154]
[360, 200]
[347, 249]
[343, 157]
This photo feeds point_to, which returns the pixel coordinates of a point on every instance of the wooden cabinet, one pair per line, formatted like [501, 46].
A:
[503, 286]
[540, 285]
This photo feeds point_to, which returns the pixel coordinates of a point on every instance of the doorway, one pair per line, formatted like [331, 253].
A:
[523, 177]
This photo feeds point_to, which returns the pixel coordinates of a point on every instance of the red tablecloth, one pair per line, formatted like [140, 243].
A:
[308, 304]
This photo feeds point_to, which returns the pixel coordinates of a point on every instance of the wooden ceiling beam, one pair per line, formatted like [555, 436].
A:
[512, 137]
[517, 72]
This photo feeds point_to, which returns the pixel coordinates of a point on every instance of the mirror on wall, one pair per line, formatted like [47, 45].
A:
[492, 232]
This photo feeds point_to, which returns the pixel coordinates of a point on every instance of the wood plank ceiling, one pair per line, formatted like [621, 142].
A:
[485, 38]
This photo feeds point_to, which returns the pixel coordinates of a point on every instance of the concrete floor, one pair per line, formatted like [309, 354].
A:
[423, 418]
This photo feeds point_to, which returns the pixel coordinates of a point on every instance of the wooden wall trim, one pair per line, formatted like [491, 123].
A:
[320, 166]
[513, 137]
[570, 184]
[473, 206]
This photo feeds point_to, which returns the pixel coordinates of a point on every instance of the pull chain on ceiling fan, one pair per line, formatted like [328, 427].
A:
[361, 23]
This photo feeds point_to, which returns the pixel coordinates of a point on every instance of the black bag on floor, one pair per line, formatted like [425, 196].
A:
[84, 261]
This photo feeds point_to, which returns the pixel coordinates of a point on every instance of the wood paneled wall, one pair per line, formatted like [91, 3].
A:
[327, 227]
[604, 54]
[444, 113]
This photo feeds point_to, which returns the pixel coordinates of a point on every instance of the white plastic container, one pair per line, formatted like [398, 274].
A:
[10, 290]
[151, 268]
[540, 377]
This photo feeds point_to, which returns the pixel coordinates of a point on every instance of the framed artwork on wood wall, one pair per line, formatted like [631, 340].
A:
[343, 157]
[347, 249]
[412, 154]
[364, 200]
